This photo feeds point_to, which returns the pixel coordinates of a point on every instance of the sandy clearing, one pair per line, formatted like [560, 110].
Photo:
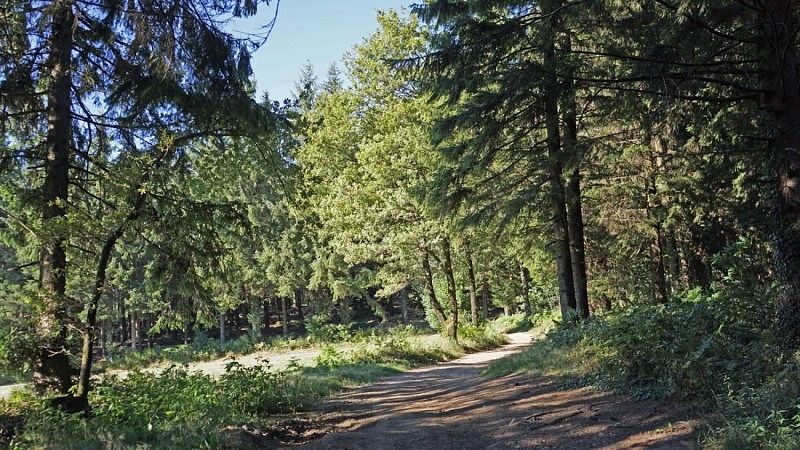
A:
[276, 360]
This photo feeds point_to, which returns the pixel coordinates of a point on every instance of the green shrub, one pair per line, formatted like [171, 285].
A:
[766, 416]
[328, 332]
[513, 323]
[560, 351]
[681, 350]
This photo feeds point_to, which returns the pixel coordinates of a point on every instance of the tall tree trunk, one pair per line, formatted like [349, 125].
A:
[222, 327]
[132, 328]
[103, 337]
[781, 84]
[673, 261]
[485, 297]
[473, 288]
[87, 352]
[265, 301]
[298, 304]
[285, 315]
[452, 292]
[697, 273]
[577, 243]
[90, 331]
[123, 322]
[659, 269]
[148, 332]
[566, 284]
[435, 305]
[525, 278]
[404, 304]
[573, 195]
[51, 365]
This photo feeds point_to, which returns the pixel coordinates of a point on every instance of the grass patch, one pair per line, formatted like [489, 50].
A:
[554, 352]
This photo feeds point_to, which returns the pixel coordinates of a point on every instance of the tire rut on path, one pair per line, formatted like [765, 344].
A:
[450, 406]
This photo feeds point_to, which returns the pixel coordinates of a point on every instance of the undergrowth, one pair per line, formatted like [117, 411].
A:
[180, 409]
[204, 348]
[714, 348]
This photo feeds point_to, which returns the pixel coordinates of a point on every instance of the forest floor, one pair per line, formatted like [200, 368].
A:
[451, 406]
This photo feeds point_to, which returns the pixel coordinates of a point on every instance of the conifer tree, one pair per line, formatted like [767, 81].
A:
[101, 100]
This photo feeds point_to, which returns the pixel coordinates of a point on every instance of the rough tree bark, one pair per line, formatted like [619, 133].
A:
[485, 297]
[659, 268]
[265, 301]
[435, 305]
[573, 194]
[566, 285]
[577, 243]
[298, 304]
[525, 278]
[222, 327]
[404, 304]
[285, 315]
[473, 288]
[51, 365]
[452, 292]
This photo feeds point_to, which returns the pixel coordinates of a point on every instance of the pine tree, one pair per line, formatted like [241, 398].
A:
[107, 94]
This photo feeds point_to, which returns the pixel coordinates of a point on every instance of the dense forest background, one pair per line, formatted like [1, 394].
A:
[632, 160]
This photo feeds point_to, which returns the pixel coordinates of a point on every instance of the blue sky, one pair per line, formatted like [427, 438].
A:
[319, 31]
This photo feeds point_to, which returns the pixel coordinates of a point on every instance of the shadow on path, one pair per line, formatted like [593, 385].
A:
[449, 406]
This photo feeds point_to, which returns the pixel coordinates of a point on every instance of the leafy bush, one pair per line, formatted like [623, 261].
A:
[328, 332]
[701, 346]
[202, 348]
[481, 337]
[766, 416]
[562, 352]
[173, 409]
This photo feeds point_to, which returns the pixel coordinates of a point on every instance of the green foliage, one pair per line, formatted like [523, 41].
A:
[173, 409]
[701, 345]
[713, 347]
[202, 348]
[181, 409]
[559, 352]
[762, 416]
[513, 323]
[18, 342]
[320, 331]
[680, 350]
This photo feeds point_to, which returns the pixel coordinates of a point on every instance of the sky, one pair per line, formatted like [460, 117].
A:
[316, 31]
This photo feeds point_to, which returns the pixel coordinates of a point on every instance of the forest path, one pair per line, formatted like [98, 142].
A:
[450, 406]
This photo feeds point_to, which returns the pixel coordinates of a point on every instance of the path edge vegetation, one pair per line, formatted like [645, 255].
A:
[181, 409]
[714, 351]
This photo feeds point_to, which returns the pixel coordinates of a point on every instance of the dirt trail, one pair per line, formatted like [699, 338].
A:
[449, 406]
